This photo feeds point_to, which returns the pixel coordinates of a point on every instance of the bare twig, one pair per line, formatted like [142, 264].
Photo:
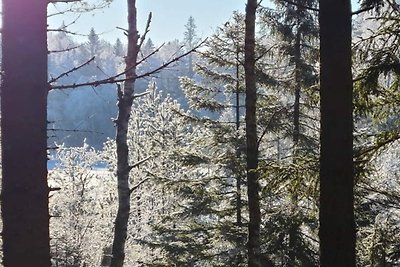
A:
[74, 130]
[362, 10]
[116, 79]
[138, 185]
[64, 50]
[141, 94]
[71, 70]
[146, 31]
[150, 55]
[137, 164]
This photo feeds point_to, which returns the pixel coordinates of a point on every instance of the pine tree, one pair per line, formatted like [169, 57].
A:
[376, 110]
[93, 42]
[118, 48]
[190, 41]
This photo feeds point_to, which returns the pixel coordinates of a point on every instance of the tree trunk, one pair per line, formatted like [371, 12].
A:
[125, 100]
[24, 195]
[294, 227]
[253, 245]
[238, 172]
[337, 226]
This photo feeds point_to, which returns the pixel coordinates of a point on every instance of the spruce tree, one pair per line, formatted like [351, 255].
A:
[296, 32]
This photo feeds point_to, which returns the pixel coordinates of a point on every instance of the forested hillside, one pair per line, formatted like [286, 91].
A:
[272, 142]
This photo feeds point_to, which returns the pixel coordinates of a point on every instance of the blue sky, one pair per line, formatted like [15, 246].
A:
[169, 18]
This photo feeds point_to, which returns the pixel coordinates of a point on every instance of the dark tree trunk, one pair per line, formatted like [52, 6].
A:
[297, 90]
[125, 100]
[24, 195]
[337, 227]
[253, 245]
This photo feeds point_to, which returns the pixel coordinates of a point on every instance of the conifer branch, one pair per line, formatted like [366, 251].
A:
[268, 125]
[300, 5]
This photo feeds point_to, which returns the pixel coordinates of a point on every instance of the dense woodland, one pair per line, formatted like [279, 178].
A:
[273, 142]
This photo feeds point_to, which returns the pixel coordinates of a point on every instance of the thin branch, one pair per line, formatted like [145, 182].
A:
[122, 29]
[175, 59]
[71, 70]
[116, 79]
[381, 192]
[141, 94]
[394, 5]
[74, 130]
[268, 125]
[63, 1]
[362, 10]
[63, 50]
[138, 185]
[137, 164]
[54, 189]
[146, 31]
[150, 55]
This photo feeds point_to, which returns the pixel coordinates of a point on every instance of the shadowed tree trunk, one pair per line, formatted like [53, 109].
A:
[253, 245]
[125, 100]
[337, 227]
[24, 195]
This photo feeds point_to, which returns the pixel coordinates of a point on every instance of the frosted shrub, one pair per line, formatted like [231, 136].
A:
[82, 209]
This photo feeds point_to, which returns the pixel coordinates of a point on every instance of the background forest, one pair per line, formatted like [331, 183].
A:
[187, 143]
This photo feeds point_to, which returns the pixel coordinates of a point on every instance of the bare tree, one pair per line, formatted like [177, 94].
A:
[125, 100]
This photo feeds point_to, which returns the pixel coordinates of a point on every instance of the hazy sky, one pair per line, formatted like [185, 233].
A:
[169, 18]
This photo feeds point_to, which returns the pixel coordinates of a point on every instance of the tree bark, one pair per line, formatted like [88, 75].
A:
[294, 227]
[24, 195]
[253, 245]
[238, 172]
[125, 100]
[337, 226]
